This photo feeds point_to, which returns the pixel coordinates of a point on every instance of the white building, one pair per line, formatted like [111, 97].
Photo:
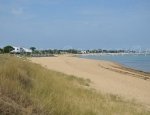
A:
[21, 50]
[27, 50]
[83, 52]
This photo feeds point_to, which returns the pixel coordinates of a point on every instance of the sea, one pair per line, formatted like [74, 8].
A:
[139, 62]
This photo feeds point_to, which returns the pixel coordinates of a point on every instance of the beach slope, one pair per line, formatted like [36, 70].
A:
[106, 77]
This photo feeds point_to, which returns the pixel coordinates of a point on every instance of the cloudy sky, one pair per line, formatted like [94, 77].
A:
[83, 24]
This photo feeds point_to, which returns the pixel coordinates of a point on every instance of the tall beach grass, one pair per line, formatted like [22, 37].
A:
[27, 88]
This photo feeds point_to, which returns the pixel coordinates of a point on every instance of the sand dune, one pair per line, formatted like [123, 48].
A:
[106, 76]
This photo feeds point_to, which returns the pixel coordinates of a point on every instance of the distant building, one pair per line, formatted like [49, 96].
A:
[83, 52]
[21, 50]
[27, 50]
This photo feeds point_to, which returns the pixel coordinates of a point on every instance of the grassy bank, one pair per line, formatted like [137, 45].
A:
[27, 88]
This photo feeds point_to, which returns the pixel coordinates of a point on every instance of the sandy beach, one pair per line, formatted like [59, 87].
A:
[106, 77]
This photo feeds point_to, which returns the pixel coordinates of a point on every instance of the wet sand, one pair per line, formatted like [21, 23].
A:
[107, 77]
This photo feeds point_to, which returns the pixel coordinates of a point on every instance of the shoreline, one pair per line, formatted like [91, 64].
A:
[107, 77]
[130, 71]
[116, 62]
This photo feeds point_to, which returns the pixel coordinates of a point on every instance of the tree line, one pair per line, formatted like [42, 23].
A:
[9, 48]
[6, 49]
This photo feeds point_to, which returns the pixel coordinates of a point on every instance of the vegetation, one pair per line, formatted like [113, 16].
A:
[8, 49]
[75, 51]
[1, 50]
[33, 49]
[27, 88]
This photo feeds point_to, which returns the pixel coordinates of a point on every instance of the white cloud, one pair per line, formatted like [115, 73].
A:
[90, 12]
[20, 13]
[41, 2]
[17, 11]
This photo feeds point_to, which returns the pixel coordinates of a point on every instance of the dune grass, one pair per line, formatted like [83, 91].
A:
[27, 88]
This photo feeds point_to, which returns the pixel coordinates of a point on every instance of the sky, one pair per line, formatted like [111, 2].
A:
[80, 24]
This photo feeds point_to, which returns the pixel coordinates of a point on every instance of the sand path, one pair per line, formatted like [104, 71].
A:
[105, 76]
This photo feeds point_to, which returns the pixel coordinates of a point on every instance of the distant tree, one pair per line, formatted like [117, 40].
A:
[73, 51]
[99, 51]
[50, 51]
[33, 48]
[8, 49]
[1, 50]
[37, 52]
[56, 51]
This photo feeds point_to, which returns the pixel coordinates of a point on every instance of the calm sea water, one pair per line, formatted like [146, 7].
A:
[138, 62]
